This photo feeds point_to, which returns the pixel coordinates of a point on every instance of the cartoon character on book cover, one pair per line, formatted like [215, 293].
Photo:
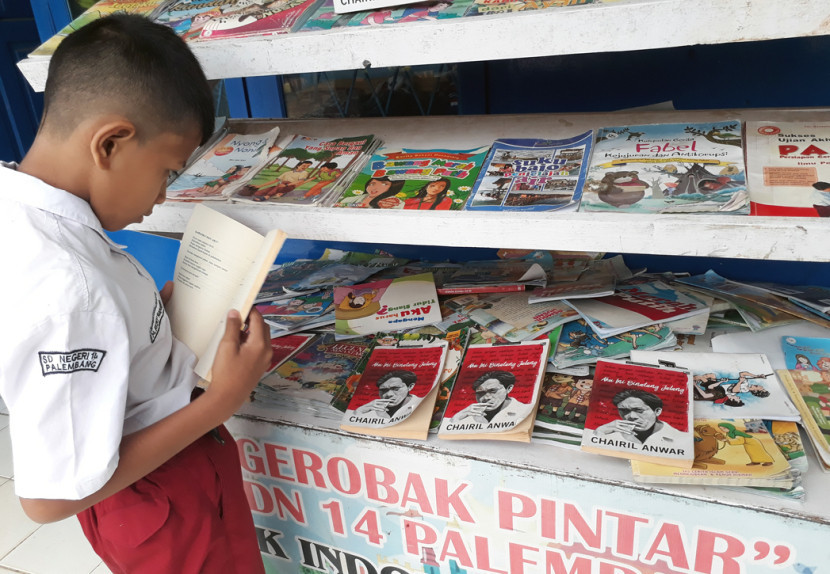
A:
[565, 399]
[579, 344]
[435, 179]
[668, 168]
[496, 389]
[394, 382]
[808, 364]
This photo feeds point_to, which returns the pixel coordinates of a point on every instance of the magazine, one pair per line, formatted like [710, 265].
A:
[233, 160]
[788, 168]
[509, 315]
[389, 305]
[729, 385]
[306, 171]
[533, 175]
[640, 412]
[425, 179]
[638, 305]
[496, 392]
[397, 390]
[580, 345]
[667, 168]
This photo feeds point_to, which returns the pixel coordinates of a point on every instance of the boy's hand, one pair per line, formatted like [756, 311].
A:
[241, 360]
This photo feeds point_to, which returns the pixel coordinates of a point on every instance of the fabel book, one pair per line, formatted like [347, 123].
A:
[396, 392]
[788, 168]
[729, 385]
[389, 305]
[641, 412]
[419, 179]
[637, 305]
[220, 266]
[496, 393]
[533, 175]
[668, 168]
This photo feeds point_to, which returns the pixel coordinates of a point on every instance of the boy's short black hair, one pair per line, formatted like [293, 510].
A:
[127, 64]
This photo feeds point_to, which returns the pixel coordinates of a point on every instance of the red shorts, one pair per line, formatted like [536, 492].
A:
[189, 516]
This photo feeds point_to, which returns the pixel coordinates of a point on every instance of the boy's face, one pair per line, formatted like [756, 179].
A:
[137, 178]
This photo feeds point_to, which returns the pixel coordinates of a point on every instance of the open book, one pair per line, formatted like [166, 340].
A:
[221, 266]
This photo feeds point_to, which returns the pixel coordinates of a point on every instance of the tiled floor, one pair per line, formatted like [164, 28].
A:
[27, 547]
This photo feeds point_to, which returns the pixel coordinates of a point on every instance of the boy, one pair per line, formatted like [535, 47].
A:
[98, 390]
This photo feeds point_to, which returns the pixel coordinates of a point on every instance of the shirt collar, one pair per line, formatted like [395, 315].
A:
[31, 191]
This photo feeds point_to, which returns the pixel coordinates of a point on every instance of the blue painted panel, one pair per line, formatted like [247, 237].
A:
[50, 16]
[265, 98]
[156, 253]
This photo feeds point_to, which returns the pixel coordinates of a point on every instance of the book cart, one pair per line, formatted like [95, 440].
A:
[328, 501]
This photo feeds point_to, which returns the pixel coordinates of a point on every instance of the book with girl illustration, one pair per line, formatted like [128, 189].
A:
[668, 168]
[425, 179]
[308, 170]
[221, 169]
[533, 174]
[397, 389]
[496, 393]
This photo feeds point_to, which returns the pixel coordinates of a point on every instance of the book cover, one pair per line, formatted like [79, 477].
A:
[481, 7]
[221, 265]
[231, 161]
[398, 13]
[809, 296]
[729, 385]
[323, 17]
[396, 392]
[810, 392]
[668, 168]
[788, 168]
[493, 276]
[509, 315]
[496, 392]
[563, 404]
[240, 19]
[283, 348]
[736, 452]
[304, 171]
[532, 175]
[587, 286]
[302, 310]
[580, 345]
[641, 412]
[633, 306]
[426, 179]
[390, 305]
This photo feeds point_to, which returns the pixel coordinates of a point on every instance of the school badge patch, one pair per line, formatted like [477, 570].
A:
[52, 363]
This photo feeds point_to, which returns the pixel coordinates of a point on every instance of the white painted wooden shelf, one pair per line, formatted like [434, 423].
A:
[733, 236]
[606, 26]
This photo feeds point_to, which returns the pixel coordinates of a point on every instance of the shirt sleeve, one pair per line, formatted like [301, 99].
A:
[66, 389]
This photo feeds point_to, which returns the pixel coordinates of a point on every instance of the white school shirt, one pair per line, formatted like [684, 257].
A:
[86, 351]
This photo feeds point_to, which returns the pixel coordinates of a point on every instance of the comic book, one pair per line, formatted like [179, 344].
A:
[788, 168]
[306, 171]
[580, 345]
[95, 12]
[396, 393]
[496, 393]
[729, 385]
[244, 18]
[188, 17]
[638, 305]
[736, 452]
[640, 412]
[402, 12]
[532, 175]
[667, 168]
[427, 179]
[231, 162]
[481, 7]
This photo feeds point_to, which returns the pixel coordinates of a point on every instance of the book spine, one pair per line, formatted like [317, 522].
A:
[480, 289]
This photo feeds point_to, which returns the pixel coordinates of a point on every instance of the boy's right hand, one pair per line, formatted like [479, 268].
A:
[241, 360]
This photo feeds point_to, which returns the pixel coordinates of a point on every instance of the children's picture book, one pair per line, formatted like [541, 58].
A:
[304, 172]
[220, 266]
[509, 315]
[389, 305]
[400, 12]
[238, 19]
[493, 276]
[633, 306]
[588, 286]
[810, 392]
[482, 7]
[323, 17]
[580, 345]
[285, 347]
[426, 179]
[729, 385]
[668, 168]
[736, 452]
[230, 162]
[397, 389]
[814, 297]
[640, 412]
[308, 310]
[532, 175]
[788, 168]
[496, 393]
[563, 404]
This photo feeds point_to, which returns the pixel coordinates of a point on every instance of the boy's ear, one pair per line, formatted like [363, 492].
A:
[109, 139]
